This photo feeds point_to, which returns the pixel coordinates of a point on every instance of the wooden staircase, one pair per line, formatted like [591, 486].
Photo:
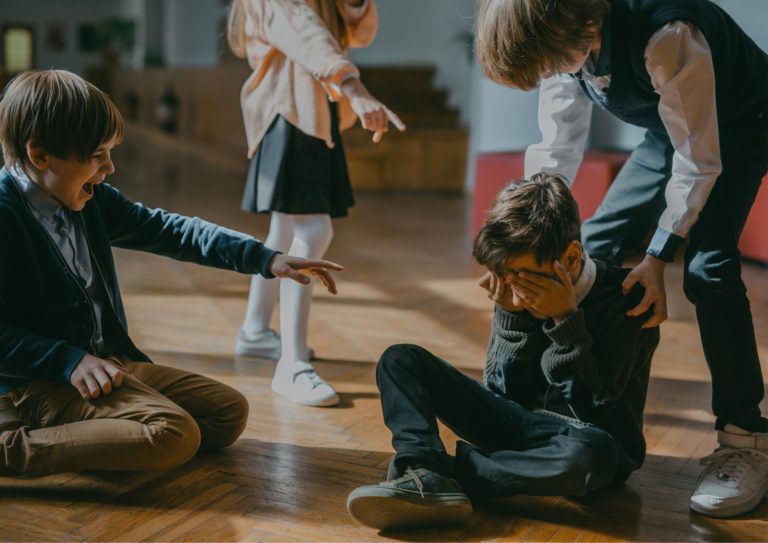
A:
[430, 155]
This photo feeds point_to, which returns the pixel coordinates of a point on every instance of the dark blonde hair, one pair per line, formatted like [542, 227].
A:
[538, 215]
[59, 111]
[517, 41]
[330, 12]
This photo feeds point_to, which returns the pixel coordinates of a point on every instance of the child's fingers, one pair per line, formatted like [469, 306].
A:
[643, 306]
[524, 292]
[499, 290]
[659, 316]
[484, 280]
[103, 379]
[117, 377]
[395, 120]
[492, 283]
[536, 281]
[290, 273]
[630, 281]
[327, 264]
[522, 284]
[327, 279]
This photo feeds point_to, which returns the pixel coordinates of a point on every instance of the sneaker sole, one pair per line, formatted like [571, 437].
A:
[245, 352]
[734, 509]
[328, 402]
[385, 509]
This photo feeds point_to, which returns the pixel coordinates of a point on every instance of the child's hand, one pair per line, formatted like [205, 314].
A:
[499, 292]
[373, 115]
[544, 296]
[650, 274]
[95, 376]
[299, 269]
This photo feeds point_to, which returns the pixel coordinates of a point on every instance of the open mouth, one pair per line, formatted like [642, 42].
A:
[88, 189]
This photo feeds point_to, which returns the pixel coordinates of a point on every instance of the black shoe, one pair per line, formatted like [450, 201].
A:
[420, 498]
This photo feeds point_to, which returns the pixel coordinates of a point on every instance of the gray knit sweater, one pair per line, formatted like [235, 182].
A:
[593, 366]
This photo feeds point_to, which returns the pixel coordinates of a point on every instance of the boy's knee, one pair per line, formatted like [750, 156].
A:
[593, 461]
[401, 357]
[711, 273]
[229, 422]
[174, 438]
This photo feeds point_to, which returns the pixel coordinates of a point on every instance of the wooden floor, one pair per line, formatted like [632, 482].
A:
[409, 279]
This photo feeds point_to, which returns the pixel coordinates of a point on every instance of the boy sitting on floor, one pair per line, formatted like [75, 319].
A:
[566, 376]
[75, 392]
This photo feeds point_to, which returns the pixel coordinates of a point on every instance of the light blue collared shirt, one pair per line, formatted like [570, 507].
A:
[68, 235]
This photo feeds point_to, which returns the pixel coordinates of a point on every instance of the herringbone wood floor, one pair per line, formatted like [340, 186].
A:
[408, 279]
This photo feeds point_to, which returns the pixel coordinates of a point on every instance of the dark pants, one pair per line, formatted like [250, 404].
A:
[712, 280]
[513, 449]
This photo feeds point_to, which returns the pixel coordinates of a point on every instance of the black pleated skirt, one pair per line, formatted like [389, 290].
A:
[298, 174]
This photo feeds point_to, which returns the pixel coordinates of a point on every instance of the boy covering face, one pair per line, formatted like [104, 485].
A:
[561, 407]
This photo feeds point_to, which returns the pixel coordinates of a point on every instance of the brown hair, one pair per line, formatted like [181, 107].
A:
[58, 110]
[330, 12]
[517, 41]
[538, 215]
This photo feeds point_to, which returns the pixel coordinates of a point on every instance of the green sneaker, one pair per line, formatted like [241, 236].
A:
[420, 498]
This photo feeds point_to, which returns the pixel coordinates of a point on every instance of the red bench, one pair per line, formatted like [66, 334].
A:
[597, 172]
[754, 239]
[494, 170]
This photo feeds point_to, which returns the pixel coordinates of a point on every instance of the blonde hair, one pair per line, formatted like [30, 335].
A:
[330, 12]
[517, 41]
[59, 111]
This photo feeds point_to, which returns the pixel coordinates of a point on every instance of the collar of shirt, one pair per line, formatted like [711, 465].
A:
[586, 279]
[602, 67]
[46, 208]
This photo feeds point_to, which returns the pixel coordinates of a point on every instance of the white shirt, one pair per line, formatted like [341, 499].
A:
[679, 62]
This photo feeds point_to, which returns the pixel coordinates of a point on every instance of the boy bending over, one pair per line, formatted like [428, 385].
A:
[561, 408]
[75, 392]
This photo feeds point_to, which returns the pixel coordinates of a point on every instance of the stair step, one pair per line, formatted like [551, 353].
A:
[405, 79]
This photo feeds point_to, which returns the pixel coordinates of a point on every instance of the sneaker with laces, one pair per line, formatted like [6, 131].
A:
[420, 498]
[266, 344]
[734, 481]
[303, 385]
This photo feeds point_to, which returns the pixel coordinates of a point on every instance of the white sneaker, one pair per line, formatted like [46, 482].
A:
[305, 386]
[266, 344]
[733, 482]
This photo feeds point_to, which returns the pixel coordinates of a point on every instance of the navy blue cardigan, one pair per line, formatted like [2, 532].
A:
[47, 322]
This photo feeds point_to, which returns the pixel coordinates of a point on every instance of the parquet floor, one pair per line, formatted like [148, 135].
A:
[408, 279]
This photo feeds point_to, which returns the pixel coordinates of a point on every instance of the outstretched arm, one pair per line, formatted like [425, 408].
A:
[134, 226]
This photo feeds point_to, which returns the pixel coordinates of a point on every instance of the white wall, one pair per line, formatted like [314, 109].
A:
[39, 14]
[191, 32]
[426, 32]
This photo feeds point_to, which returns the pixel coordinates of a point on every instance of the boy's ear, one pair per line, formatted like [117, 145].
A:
[37, 156]
[572, 256]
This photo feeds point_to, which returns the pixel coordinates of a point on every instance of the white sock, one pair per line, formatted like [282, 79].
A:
[263, 295]
[312, 235]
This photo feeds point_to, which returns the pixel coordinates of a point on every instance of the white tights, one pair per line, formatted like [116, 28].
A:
[306, 236]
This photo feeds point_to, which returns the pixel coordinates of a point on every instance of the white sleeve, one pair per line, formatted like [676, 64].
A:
[679, 61]
[564, 117]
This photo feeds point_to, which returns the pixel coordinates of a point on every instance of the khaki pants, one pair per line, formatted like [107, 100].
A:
[158, 419]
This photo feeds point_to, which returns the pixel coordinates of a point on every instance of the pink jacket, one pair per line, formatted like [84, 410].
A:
[297, 65]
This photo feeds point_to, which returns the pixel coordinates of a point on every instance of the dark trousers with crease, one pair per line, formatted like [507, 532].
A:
[712, 277]
[511, 450]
